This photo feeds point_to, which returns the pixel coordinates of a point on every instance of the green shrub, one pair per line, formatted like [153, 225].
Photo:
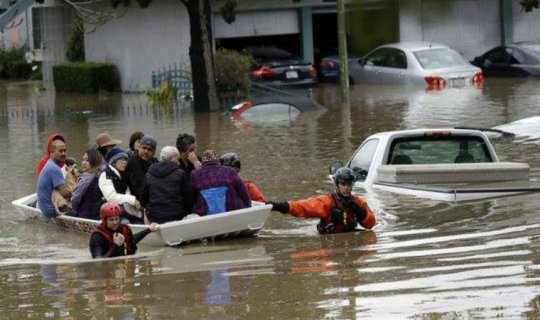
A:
[37, 73]
[163, 94]
[18, 70]
[85, 77]
[232, 70]
[7, 57]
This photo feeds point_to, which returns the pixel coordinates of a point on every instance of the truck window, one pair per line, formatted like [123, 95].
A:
[361, 160]
[438, 149]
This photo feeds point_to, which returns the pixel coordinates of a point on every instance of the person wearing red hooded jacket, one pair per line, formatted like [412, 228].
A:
[43, 161]
[338, 212]
[112, 238]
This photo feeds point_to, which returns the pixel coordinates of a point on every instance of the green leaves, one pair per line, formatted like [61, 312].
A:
[529, 5]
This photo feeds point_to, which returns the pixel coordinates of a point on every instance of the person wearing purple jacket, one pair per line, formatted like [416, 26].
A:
[217, 188]
[86, 195]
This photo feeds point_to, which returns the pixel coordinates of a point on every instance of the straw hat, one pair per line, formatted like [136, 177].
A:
[104, 139]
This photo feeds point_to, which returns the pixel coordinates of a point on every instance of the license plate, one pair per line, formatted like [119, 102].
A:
[458, 82]
[291, 75]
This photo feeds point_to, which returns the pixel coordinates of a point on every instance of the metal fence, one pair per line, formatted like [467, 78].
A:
[179, 78]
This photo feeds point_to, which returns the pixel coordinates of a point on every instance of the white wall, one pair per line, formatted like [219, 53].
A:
[258, 23]
[526, 25]
[410, 20]
[141, 41]
[469, 26]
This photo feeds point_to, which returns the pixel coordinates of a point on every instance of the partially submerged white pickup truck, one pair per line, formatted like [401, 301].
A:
[439, 164]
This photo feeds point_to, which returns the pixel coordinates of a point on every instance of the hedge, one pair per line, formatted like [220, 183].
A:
[17, 70]
[85, 77]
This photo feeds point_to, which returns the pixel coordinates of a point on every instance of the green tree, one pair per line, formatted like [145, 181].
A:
[75, 46]
[529, 5]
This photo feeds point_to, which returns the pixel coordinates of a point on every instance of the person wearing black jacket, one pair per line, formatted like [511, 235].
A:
[166, 193]
[138, 165]
[112, 238]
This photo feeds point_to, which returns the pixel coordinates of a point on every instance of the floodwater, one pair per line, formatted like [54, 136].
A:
[424, 260]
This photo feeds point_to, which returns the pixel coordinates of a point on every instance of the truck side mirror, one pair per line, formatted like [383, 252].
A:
[334, 166]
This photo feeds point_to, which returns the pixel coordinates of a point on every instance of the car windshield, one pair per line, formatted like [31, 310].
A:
[270, 54]
[438, 150]
[439, 58]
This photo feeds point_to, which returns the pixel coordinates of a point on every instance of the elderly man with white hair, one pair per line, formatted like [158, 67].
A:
[166, 193]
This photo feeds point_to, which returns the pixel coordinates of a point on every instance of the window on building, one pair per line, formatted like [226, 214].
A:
[37, 18]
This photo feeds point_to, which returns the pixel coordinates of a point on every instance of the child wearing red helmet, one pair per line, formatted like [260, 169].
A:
[112, 238]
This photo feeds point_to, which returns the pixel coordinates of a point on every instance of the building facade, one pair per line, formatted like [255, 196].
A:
[143, 40]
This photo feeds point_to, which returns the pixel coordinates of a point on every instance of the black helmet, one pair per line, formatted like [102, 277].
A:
[344, 175]
[230, 159]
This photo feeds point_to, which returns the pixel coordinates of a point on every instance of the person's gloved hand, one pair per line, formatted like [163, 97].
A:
[359, 211]
[282, 207]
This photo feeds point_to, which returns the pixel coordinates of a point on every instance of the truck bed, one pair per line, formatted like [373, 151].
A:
[453, 173]
[456, 182]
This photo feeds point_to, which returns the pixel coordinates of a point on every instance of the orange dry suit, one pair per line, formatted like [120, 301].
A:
[337, 213]
[254, 193]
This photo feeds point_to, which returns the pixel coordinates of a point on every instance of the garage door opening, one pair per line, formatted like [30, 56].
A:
[325, 40]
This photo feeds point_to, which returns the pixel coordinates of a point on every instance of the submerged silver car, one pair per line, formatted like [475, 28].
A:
[432, 65]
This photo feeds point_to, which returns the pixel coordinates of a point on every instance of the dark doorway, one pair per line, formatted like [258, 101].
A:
[325, 41]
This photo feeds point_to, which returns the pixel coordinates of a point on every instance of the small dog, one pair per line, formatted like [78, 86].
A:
[61, 204]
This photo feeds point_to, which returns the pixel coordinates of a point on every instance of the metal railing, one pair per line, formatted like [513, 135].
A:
[179, 78]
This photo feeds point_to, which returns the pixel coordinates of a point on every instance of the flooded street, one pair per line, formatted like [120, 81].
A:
[424, 259]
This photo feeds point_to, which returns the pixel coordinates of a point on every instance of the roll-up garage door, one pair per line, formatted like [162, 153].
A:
[258, 23]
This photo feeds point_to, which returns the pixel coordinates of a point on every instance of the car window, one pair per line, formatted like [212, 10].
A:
[361, 160]
[396, 59]
[376, 58]
[439, 58]
[387, 57]
[517, 57]
[270, 111]
[438, 149]
[497, 55]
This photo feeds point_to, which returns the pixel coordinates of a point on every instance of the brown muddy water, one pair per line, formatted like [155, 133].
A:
[424, 259]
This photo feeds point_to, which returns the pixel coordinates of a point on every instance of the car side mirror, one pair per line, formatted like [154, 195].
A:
[334, 166]
[361, 61]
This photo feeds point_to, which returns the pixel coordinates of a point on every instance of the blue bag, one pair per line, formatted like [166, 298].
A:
[215, 199]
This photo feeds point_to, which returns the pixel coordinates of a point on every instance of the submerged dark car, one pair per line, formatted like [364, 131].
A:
[269, 109]
[277, 66]
[520, 59]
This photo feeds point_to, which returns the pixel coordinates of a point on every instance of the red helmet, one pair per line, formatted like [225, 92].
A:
[110, 209]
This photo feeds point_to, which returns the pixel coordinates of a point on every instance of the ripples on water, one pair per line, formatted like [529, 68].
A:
[425, 259]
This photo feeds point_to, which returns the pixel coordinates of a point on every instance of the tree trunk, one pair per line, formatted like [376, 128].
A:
[201, 56]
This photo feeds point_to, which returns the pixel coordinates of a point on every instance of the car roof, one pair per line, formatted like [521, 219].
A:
[422, 131]
[414, 45]
[268, 52]
[303, 104]
[529, 45]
